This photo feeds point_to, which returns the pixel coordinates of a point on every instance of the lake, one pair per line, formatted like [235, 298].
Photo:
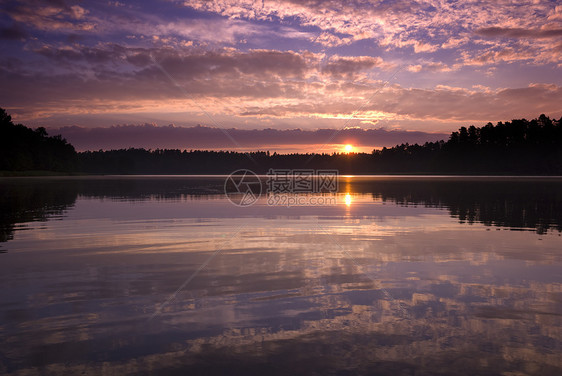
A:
[389, 276]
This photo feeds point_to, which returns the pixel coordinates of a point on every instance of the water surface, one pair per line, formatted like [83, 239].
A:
[164, 275]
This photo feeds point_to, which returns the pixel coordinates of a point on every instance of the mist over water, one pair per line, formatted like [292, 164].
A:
[164, 275]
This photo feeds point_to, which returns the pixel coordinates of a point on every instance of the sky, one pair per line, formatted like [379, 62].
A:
[306, 75]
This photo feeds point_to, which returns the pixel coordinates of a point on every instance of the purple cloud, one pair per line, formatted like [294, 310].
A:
[203, 137]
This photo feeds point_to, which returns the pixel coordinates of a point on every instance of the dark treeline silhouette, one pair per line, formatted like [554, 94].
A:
[23, 149]
[519, 147]
[141, 161]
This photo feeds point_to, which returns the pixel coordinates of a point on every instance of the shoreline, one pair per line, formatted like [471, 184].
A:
[34, 173]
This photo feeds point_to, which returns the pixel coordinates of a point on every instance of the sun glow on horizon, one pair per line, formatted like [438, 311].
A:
[348, 148]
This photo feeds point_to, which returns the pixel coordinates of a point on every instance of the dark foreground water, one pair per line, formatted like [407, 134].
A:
[163, 275]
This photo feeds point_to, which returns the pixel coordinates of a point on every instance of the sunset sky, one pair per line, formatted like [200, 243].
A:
[276, 74]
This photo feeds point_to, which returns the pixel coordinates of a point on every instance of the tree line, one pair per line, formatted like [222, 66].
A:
[24, 149]
[518, 147]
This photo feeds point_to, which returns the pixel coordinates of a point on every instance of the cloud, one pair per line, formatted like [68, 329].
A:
[116, 73]
[185, 63]
[507, 44]
[13, 32]
[429, 66]
[424, 47]
[350, 66]
[113, 73]
[454, 42]
[439, 103]
[277, 61]
[508, 55]
[395, 22]
[330, 40]
[49, 15]
[259, 84]
[201, 137]
[464, 104]
[214, 30]
[132, 21]
[496, 32]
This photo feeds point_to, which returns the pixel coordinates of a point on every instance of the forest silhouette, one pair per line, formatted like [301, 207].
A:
[24, 149]
[519, 147]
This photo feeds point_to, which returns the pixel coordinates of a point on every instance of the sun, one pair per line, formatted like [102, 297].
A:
[348, 148]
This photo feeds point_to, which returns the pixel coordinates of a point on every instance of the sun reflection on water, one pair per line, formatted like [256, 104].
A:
[348, 199]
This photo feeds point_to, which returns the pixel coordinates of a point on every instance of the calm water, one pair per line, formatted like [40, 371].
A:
[402, 276]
